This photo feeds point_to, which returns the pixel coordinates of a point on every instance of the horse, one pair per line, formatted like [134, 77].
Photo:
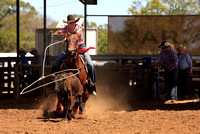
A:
[69, 89]
[74, 61]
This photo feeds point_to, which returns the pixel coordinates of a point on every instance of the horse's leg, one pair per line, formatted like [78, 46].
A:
[84, 98]
[80, 105]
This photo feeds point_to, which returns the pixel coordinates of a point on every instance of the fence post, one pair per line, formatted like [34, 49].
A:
[1, 82]
[9, 75]
[16, 81]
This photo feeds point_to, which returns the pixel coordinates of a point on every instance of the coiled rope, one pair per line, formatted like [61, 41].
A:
[43, 77]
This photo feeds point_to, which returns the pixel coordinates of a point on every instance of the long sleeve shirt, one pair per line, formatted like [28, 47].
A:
[168, 59]
[184, 61]
[24, 60]
[77, 29]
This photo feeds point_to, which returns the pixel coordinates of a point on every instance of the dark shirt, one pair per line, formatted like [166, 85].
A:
[37, 60]
[168, 59]
[24, 60]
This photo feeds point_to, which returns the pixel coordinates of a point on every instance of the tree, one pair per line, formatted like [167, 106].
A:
[165, 7]
[102, 39]
[102, 36]
[27, 31]
[182, 7]
[153, 7]
[8, 7]
[29, 21]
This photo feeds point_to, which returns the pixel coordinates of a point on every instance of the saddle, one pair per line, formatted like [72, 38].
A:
[89, 82]
[64, 65]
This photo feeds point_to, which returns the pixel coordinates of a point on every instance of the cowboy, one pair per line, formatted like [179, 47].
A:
[184, 71]
[72, 28]
[37, 59]
[23, 60]
[168, 59]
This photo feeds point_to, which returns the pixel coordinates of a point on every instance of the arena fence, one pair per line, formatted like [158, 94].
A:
[132, 72]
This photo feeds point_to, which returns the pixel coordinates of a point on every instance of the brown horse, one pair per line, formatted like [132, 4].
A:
[73, 61]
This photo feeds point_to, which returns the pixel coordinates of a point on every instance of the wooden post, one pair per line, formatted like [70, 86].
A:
[16, 81]
[1, 82]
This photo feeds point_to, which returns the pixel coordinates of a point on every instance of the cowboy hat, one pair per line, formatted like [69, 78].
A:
[71, 18]
[166, 44]
[162, 44]
[180, 47]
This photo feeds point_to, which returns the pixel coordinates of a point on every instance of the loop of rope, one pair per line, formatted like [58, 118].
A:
[45, 55]
[43, 77]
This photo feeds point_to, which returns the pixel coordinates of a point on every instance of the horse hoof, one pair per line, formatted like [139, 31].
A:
[94, 93]
[65, 119]
[80, 113]
[72, 116]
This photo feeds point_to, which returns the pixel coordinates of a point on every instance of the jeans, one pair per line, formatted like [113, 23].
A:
[170, 82]
[59, 60]
[91, 66]
[183, 81]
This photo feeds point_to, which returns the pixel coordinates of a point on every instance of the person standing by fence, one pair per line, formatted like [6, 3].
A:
[37, 59]
[169, 61]
[23, 60]
[184, 71]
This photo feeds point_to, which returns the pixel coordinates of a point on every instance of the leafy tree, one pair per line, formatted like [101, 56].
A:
[102, 36]
[27, 31]
[102, 40]
[182, 7]
[165, 7]
[29, 21]
[8, 25]
[153, 7]
[8, 7]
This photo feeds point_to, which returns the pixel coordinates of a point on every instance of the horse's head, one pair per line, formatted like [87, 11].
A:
[72, 44]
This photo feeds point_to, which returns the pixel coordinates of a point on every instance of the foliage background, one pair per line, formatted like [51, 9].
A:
[30, 20]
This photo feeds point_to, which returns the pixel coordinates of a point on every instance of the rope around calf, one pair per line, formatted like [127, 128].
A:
[43, 77]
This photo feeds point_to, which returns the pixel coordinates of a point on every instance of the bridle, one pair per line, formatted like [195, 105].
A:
[74, 42]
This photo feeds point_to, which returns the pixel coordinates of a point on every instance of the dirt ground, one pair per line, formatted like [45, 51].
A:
[115, 110]
[102, 116]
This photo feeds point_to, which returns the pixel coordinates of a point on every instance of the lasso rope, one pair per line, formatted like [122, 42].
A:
[45, 54]
[22, 92]
[43, 77]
